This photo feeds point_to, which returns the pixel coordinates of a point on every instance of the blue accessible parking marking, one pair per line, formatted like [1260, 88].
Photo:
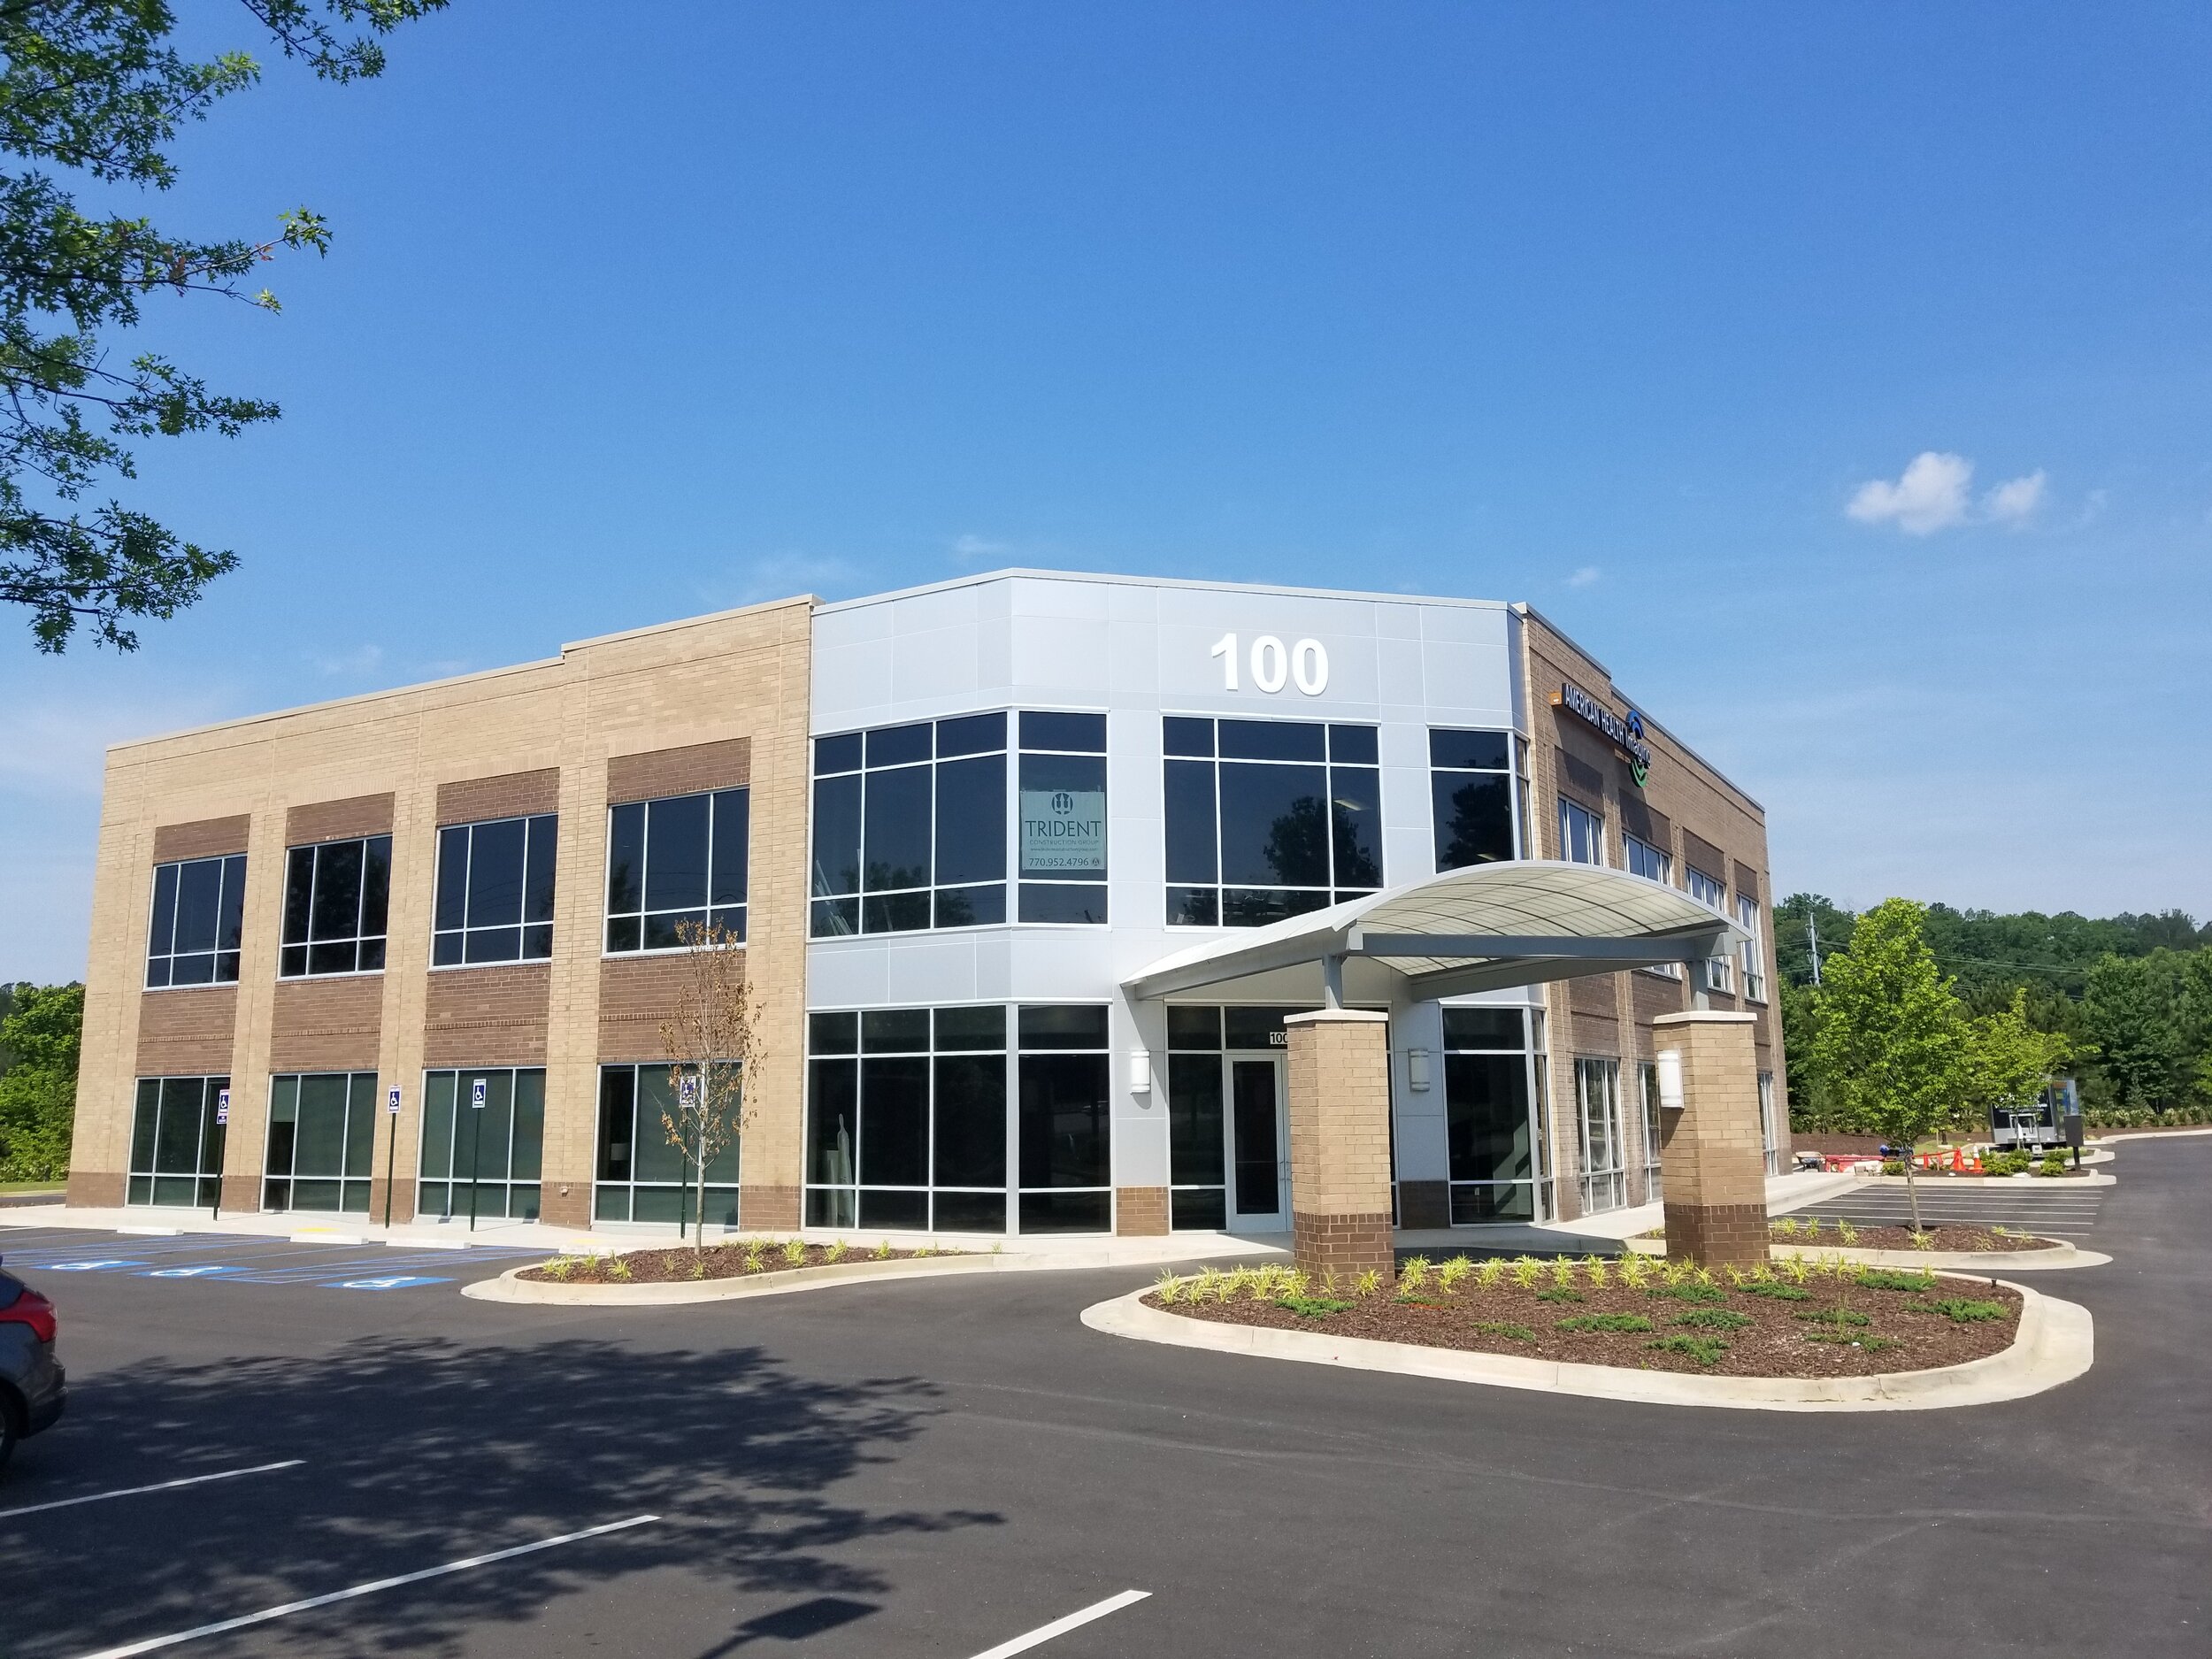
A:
[202, 1272]
[88, 1267]
[397, 1281]
[252, 1259]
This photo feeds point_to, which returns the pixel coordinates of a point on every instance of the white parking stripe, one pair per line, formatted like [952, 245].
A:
[160, 1485]
[1045, 1632]
[266, 1613]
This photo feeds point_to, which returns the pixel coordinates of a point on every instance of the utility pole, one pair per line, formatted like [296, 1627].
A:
[1812, 933]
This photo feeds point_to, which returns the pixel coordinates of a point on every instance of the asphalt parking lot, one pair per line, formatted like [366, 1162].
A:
[943, 1467]
[2059, 1209]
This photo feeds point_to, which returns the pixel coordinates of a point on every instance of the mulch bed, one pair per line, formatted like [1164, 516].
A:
[1909, 1333]
[1977, 1239]
[718, 1261]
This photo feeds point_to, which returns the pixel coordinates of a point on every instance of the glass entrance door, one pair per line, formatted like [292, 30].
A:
[1256, 1143]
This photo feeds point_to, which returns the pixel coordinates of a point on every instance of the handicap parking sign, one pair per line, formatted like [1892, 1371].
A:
[397, 1281]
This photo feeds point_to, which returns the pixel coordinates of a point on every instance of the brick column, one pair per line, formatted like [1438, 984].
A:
[1340, 1141]
[1713, 1159]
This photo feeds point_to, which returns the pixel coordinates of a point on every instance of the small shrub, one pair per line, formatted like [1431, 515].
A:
[1369, 1282]
[1785, 1228]
[618, 1269]
[1893, 1166]
[1891, 1279]
[1328, 1281]
[1673, 1272]
[1492, 1273]
[882, 1252]
[1311, 1307]
[1563, 1272]
[1690, 1290]
[837, 1252]
[559, 1267]
[1812, 1226]
[1848, 1233]
[1505, 1328]
[698, 1264]
[794, 1252]
[1202, 1288]
[1559, 1293]
[1775, 1290]
[1635, 1271]
[1715, 1318]
[756, 1254]
[1836, 1316]
[1923, 1241]
[1167, 1287]
[1705, 1350]
[1413, 1275]
[1526, 1270]
[1295, 1283]
[1595, 1270]
[1452, 1274]
[1797, 1269]
[1968, 1309]
[2052, 1166]
[1605, 1322]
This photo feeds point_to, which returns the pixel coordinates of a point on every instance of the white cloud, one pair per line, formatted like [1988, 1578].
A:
[1586, 577]
[363, 659]
[1930, 495]
[2013, 501]
[1935, 492]
[976, 547]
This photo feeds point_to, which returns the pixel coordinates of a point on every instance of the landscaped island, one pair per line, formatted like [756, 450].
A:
[741, 1258]
[1799, 1319]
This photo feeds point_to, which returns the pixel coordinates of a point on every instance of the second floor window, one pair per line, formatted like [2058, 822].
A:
[495, 892]
[909, 828]
[335, 896]
[199, 909]
[1269, 818]
[1581, 834]
[675, 860]
[1712, 972]
[1647, 860]
[1470, 794]
[1755, 969]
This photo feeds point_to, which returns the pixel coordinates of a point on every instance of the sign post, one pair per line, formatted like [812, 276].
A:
[222, 1139]
[476, 1140]
[391, 1152]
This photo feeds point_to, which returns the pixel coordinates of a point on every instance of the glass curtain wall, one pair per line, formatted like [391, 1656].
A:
[1472, 800]
[907, 1121]
[198, 915]
[1489, 1128]
[909, 828]
[1604, 1181]
[679, 859]
[642, 1174]
[176, 1144]
[483, 1143]
[1065, 1144]
[322, 1141]
[1220, 1140]
[1648, 1091]
[1269, 818]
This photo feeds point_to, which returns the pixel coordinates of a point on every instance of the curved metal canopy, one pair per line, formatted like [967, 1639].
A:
[1479, 929]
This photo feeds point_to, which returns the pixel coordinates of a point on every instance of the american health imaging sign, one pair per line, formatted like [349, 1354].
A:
[1064, 829]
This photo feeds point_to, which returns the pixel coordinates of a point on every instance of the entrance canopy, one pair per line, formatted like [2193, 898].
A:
[1478, 929]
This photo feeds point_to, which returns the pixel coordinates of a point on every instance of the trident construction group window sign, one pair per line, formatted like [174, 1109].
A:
[1063, 830]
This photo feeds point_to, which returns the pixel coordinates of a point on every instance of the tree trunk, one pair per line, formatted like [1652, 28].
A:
[1912, 1191]
[699, 1164]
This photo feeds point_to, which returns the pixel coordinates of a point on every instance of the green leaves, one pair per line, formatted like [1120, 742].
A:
[1893, 1045]
[40, 1038]
[94, 87]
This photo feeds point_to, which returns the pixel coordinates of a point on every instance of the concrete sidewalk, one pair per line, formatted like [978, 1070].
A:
[1603, 1233]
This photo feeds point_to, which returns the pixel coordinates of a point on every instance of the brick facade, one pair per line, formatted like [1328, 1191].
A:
[1340, 1141]
[1715, 1168]
[725, 696]
[1141, 1211]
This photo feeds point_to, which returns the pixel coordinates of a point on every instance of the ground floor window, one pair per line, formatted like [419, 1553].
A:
[322, 1141]
[1489, 1129]
[917, 1116]
[1648, 1091]
[483, 1142]
[642, 1173]
[1598, 1098]
[176, 1144]
[1226, 1137]
[1770, 1138]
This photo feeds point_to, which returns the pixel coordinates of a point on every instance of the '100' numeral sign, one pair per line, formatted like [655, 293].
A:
[1305, 664]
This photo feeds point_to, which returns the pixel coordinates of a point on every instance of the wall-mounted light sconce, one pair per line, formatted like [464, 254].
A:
[1670, 1079]
[1139, 1071]
[1417, 1070]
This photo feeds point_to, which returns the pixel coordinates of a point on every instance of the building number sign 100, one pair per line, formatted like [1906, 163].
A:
[1305, 663]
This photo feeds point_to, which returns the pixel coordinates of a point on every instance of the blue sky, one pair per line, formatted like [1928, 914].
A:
[640, 311]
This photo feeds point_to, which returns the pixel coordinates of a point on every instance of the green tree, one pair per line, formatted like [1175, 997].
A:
[2136, 1010]
[94, 91]
[1798, 920]
[38, 1092]
[1894, 1046]
[2013, 1060]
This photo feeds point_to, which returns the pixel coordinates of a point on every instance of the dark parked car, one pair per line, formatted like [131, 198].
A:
[33, 1385]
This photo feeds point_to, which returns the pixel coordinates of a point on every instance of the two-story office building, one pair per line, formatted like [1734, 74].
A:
[427, 936]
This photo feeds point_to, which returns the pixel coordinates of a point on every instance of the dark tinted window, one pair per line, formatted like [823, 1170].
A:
[1083, 733]
[1468, 751]
[1470, 797]
[1289, 819]
[494, 901]
[198, 916]
[679, 861]
[925, 841]
[335, 901]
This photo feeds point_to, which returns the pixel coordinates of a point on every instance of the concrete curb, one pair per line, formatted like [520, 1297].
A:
[2126, 1135]
[1939, 1183]
[2055, 1344]
[1972, 1262]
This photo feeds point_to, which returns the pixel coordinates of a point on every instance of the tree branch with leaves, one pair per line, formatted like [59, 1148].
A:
[94, 87]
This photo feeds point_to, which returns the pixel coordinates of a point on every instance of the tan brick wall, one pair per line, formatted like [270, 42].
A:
[635, 994]
[326, 1024]
[1340, 1141]
[539, 736]
[1141, 1211]
[1711, 1151]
